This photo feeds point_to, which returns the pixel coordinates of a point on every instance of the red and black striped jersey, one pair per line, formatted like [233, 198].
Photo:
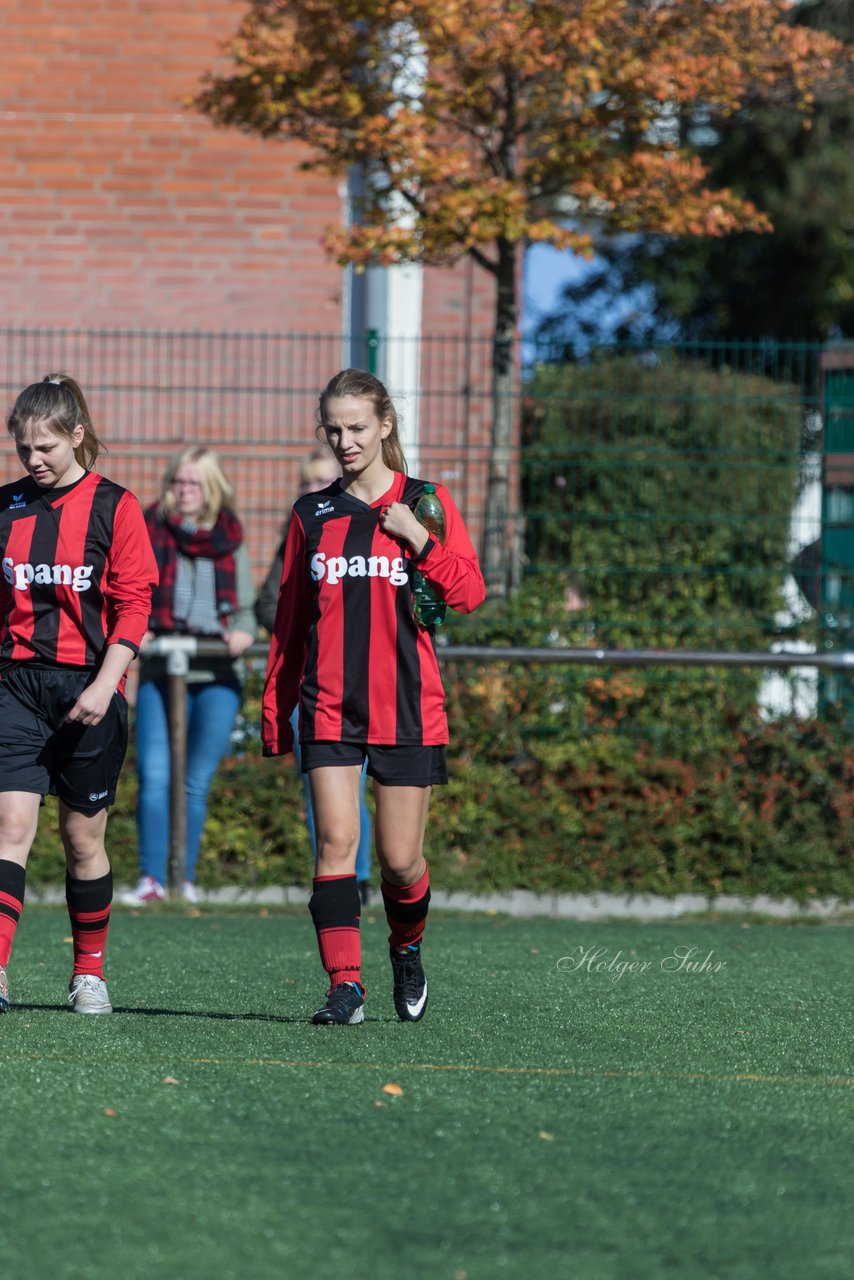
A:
[78, 570]
[344, 642]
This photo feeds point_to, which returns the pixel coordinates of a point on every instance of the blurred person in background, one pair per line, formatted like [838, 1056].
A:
[205, 590]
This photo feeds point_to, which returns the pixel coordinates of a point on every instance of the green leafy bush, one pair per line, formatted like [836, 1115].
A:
[662, 490]
[665, 488]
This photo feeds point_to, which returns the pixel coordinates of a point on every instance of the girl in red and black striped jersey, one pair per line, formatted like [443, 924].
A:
[75, 595]
[346, 647]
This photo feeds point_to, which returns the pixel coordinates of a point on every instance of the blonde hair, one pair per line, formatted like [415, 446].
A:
[319, 464]
[58, 402]
[364, 386]
[216, 490]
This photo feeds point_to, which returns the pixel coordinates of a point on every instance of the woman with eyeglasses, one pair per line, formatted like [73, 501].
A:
[205, 590]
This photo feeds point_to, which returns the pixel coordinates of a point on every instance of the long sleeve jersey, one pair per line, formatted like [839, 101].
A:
[344, 643]
[78, 571]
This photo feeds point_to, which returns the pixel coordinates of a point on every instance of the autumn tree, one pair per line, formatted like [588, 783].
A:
[796, 284]
[483, 125]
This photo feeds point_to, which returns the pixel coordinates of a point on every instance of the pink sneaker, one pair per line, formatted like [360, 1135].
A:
[148, 890]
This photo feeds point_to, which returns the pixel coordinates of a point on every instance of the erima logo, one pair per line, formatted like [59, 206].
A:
[78, 576]
[97, 795]
[335, 568]
[324, 507]
[17, 501]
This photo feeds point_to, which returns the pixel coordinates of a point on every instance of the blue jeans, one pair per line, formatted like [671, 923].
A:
[363, 855]
[211, 712]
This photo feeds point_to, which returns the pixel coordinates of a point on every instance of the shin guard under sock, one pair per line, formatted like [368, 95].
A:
[406, 909]
[336, 909]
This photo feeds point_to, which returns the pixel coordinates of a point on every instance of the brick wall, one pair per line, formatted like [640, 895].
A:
[119, 206]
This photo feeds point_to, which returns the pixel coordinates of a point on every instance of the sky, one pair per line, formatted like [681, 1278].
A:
[546, 271]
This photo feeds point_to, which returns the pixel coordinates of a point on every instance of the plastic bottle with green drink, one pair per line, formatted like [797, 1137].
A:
[428, 607]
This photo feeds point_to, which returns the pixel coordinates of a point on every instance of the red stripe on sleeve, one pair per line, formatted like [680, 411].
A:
[287, 645]
[452, 566]
[131, 575]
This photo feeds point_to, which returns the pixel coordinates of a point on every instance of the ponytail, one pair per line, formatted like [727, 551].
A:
[58, 402]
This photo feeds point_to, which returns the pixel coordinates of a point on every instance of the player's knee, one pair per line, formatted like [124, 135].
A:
[402, 866]
[337, 847]
[16, 829]
[82, 847]
[83, 836]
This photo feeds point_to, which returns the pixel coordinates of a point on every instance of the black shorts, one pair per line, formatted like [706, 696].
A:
[391, 766]
[41, 752]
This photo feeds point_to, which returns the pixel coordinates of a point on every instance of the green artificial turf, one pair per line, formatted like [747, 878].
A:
[549, 1118]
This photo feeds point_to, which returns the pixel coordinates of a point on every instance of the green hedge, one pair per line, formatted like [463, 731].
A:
[657, 498]
[665, 488]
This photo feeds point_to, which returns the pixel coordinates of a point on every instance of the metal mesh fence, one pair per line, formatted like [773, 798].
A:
[253, 397]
